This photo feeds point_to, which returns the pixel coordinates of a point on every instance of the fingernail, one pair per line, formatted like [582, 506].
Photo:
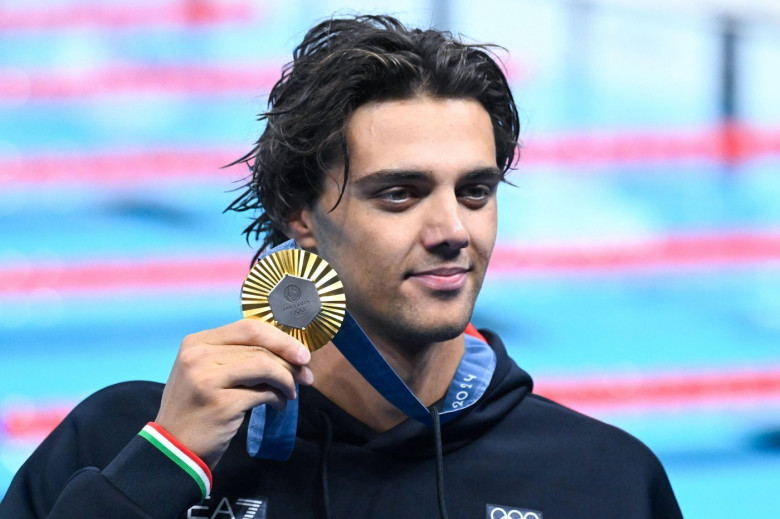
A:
[308, 376]
[303, 355]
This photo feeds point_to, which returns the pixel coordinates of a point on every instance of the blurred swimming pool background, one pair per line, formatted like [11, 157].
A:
[637, 273]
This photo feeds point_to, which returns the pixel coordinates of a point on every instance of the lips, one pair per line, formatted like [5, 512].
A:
[442, 278]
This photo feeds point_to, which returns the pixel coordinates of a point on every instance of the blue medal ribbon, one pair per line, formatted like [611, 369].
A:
[271, 433]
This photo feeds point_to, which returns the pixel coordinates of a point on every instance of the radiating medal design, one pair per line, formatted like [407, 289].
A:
[299, 293]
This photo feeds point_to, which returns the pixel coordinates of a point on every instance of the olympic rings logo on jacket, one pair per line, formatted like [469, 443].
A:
[498, 512]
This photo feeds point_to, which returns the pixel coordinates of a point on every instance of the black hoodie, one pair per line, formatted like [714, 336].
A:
[513, 455]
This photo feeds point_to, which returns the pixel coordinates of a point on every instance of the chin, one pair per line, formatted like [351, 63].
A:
[415, 325]
[440, 332]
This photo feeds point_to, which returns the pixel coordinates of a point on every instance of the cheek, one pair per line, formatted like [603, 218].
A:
[482, 229]
[373, 262]
[378, 235]
[487, 236]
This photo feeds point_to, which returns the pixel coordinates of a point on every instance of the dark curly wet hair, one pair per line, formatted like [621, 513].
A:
[341, 64]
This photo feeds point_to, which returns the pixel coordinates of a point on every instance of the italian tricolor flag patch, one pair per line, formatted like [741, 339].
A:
[179, 454]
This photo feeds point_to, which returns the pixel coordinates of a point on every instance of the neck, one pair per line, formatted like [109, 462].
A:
[427, 371]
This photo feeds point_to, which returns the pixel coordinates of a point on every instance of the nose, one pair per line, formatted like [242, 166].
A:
[445, 231]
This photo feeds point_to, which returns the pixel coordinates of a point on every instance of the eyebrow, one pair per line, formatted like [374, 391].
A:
[487, 173]
[390, 176]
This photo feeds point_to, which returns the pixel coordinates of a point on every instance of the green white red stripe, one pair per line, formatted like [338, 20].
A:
[179, 454]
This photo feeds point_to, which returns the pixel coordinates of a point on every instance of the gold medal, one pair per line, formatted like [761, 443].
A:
[299, 293]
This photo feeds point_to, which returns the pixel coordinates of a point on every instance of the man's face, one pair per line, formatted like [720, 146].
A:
[412, 235]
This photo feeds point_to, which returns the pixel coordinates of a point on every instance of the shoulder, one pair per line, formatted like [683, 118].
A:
[125, 400]
[111, 416]
[548, 423]
[91, 435]
[586, 438]
[136, 393]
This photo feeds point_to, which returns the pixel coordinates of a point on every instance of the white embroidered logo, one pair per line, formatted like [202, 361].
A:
[241, 508]
[507, 512]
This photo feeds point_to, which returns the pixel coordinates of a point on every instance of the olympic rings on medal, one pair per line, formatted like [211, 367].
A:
[512, 513]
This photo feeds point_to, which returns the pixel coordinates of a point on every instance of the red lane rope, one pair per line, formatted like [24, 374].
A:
[118, 275]
[607, 393]
[16, 17]
[32, 422]
[122, 167]
[19, 86]
[729, 142]
[675, 390]
[708, 251]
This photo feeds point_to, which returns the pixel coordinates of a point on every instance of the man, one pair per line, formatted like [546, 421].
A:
[382, 153]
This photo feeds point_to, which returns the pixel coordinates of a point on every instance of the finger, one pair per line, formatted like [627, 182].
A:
[303, 375]
[256, 370]
[250, 397]
[253, 332]
[245, 356]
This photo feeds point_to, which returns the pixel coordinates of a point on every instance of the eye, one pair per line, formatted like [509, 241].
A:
[476, 194]
[397, 198]
[395, 194]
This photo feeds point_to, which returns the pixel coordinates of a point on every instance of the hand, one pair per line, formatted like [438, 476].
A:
[220, 374]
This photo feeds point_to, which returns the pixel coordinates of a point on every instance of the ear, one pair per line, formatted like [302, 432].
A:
[300, 227]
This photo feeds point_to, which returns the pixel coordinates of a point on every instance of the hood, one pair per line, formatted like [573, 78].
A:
[411, 439]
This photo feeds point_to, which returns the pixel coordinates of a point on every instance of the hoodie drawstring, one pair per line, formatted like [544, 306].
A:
[327, 442]
[439, 461]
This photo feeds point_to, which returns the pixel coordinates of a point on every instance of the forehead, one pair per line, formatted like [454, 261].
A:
[421, 134]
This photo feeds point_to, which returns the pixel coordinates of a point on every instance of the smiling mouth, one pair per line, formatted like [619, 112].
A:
[442, 279]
